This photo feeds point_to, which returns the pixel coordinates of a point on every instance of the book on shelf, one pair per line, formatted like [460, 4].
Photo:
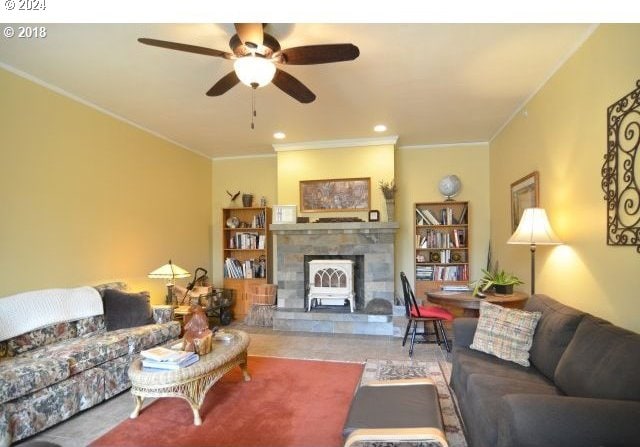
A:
[424, 273]
[446, 216]
[431, 218]
[463, 215]
[451, 273]
[459, 238]
[247, 269]
[421, 218]
[246, 241]
[250, 268]
[258, 220]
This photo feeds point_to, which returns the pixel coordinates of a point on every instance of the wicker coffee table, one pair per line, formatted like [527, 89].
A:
[192, 382]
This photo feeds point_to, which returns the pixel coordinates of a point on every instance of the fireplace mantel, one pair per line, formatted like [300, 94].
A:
[335, 227]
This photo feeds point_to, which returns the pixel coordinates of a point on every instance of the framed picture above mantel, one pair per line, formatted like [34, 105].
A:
[350, 194]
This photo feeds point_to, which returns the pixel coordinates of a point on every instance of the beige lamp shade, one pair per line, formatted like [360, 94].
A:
[534, 229]
[169, 271]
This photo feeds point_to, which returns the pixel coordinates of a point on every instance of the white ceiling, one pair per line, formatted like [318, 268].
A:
[429, 83]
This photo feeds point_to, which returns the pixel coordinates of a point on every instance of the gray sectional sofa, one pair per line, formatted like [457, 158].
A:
[58, 356]
[582, 388]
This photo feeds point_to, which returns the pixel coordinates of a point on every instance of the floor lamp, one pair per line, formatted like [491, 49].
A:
[169, 272]
[534, 229]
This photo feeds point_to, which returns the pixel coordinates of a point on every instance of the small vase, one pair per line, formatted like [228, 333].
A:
[391, 210]
[247, 200]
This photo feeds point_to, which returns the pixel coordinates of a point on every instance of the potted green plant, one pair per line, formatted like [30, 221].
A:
[501, 281]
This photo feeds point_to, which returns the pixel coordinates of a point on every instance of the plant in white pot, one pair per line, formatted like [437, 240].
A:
[501, 281]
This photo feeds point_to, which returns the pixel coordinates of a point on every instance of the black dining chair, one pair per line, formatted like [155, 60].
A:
[423, 314]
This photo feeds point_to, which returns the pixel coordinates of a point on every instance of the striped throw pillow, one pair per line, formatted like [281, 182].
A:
[505, 333]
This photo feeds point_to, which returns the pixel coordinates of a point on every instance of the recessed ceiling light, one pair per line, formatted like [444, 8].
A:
[380, 128]
[279, 135]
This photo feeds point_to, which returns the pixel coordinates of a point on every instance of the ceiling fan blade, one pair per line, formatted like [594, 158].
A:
[226, 83]
[320, 54]
[292, 87]
[250, 34]
[185, 47]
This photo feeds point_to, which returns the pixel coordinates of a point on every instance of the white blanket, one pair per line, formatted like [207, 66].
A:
[27, 311]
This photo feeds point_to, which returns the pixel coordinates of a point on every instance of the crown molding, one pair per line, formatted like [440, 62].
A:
[445, 145]
[239, 157]
[84, 102]
[333, 144]
[544, 82]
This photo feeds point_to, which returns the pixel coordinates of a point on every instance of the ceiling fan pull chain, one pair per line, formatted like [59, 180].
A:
[253, 107]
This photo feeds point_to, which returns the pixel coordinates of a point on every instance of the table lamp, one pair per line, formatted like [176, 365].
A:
[169, 272]
[534, 229]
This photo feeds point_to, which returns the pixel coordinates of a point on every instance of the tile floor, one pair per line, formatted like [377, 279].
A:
[83, 428]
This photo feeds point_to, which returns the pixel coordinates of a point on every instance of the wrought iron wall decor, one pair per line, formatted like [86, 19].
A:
[620, 172]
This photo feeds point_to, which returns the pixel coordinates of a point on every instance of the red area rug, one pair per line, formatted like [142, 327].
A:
[286, 403]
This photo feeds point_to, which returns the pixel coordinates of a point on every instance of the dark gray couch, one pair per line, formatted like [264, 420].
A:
[582, 389]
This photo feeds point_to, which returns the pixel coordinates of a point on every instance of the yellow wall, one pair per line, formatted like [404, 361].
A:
[563, 135]
[376, 162]
[419, 171]
[87, 198]
[255, 175]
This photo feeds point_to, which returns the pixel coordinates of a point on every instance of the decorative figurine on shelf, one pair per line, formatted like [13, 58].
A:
[233, 198]
[263, 201]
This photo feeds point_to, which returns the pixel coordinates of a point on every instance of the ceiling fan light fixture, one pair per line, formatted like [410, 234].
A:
[254, 71]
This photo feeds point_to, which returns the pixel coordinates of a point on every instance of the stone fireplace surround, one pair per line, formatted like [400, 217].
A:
[374, 240]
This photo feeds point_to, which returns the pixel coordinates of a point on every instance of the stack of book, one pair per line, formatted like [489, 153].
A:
[249, 268]
[165, 358]
[424, 273]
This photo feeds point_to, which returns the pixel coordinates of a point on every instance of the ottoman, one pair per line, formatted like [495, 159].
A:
[395, 412]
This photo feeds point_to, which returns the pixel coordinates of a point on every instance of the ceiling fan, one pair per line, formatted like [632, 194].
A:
[256, 55]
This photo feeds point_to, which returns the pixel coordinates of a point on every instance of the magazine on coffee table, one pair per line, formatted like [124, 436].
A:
[162, 354]
[166, 358]
[185, 360]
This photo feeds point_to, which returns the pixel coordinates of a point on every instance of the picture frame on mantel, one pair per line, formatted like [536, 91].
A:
[348, 194]
[284, 214]
[524, 194]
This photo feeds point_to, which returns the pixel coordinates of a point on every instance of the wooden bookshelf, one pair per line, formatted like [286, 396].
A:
[246, 254]
[441, 245]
